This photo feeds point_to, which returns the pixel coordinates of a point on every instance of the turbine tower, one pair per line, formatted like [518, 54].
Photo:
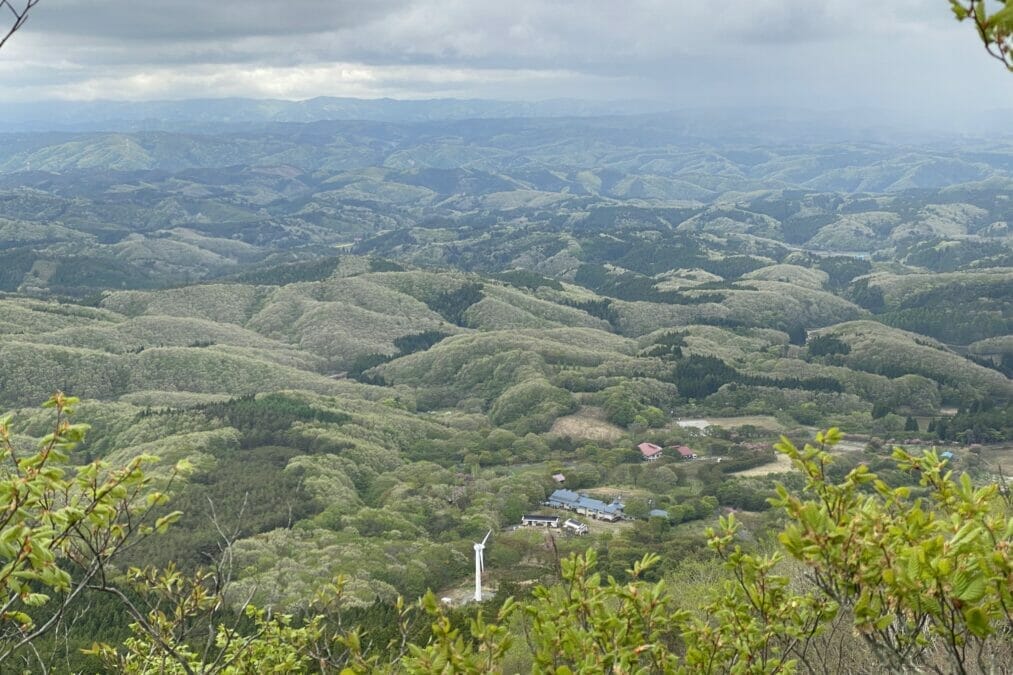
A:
[480, 566]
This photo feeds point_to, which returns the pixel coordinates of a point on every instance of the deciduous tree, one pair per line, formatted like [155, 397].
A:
[61, 525]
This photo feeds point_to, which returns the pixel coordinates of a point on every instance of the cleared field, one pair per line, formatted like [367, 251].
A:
[760, 421]
[850, 446]
[607, 492]
[587, 423]
[780, 465]
[996, 457]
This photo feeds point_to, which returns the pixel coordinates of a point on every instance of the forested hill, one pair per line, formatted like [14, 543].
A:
[373, 342]
[85, 212]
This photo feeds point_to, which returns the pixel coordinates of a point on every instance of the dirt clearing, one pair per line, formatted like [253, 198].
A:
[781, 464]
[589, 424]
[766, 422]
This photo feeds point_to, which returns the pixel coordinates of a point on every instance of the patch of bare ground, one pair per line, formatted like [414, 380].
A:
[766, 422]
[850, 446]
[998, 458]
[758, 421]
[587, 423]
[607, 492]
[781, 464]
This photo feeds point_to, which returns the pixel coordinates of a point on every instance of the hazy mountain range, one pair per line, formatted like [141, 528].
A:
[697, 118]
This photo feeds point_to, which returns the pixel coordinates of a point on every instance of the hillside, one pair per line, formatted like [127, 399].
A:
[375, 341]
[80, 212]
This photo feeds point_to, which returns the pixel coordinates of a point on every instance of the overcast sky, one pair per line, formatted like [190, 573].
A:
[908, 55]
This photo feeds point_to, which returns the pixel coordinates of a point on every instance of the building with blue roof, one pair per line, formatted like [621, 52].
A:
[584, 505]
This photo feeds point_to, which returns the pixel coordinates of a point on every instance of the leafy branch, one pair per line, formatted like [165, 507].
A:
[995, 29]
[61, 526]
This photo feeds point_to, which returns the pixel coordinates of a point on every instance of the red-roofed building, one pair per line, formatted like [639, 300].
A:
[685, 452]
[650, 451]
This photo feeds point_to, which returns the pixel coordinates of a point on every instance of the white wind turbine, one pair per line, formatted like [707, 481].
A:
[480, 566]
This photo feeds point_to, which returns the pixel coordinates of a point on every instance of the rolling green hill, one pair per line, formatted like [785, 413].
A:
[376, 341]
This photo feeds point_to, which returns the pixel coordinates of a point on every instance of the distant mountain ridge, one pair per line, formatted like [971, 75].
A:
[697, 118]
[151, 115]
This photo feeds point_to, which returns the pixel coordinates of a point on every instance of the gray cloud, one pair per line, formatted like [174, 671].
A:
[816, 53]
[196, 20]
[488, 32]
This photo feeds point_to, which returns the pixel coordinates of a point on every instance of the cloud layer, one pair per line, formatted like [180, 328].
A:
[906, 54]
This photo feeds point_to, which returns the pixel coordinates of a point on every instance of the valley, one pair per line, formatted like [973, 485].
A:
[372, 342]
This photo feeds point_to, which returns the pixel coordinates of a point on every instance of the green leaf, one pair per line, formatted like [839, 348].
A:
[968, 587]
[21, 618]
[979, 13]
[36, 599]
[156, 498]
[1003, 19]
[914, 568]
[977, 622]
[165, 521]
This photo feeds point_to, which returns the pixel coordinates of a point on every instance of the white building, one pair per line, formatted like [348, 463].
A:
[575, 526]
[540, 521]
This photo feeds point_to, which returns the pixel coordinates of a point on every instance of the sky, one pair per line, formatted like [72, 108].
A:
[905, 55]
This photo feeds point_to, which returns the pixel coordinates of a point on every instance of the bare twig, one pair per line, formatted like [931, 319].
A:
[20, 15]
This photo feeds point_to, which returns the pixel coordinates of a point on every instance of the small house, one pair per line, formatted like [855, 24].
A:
[650, 452]
[575, 526]
[946, 455]
[685, 452]
[658, 513]
[558, 477]
[538, 520]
